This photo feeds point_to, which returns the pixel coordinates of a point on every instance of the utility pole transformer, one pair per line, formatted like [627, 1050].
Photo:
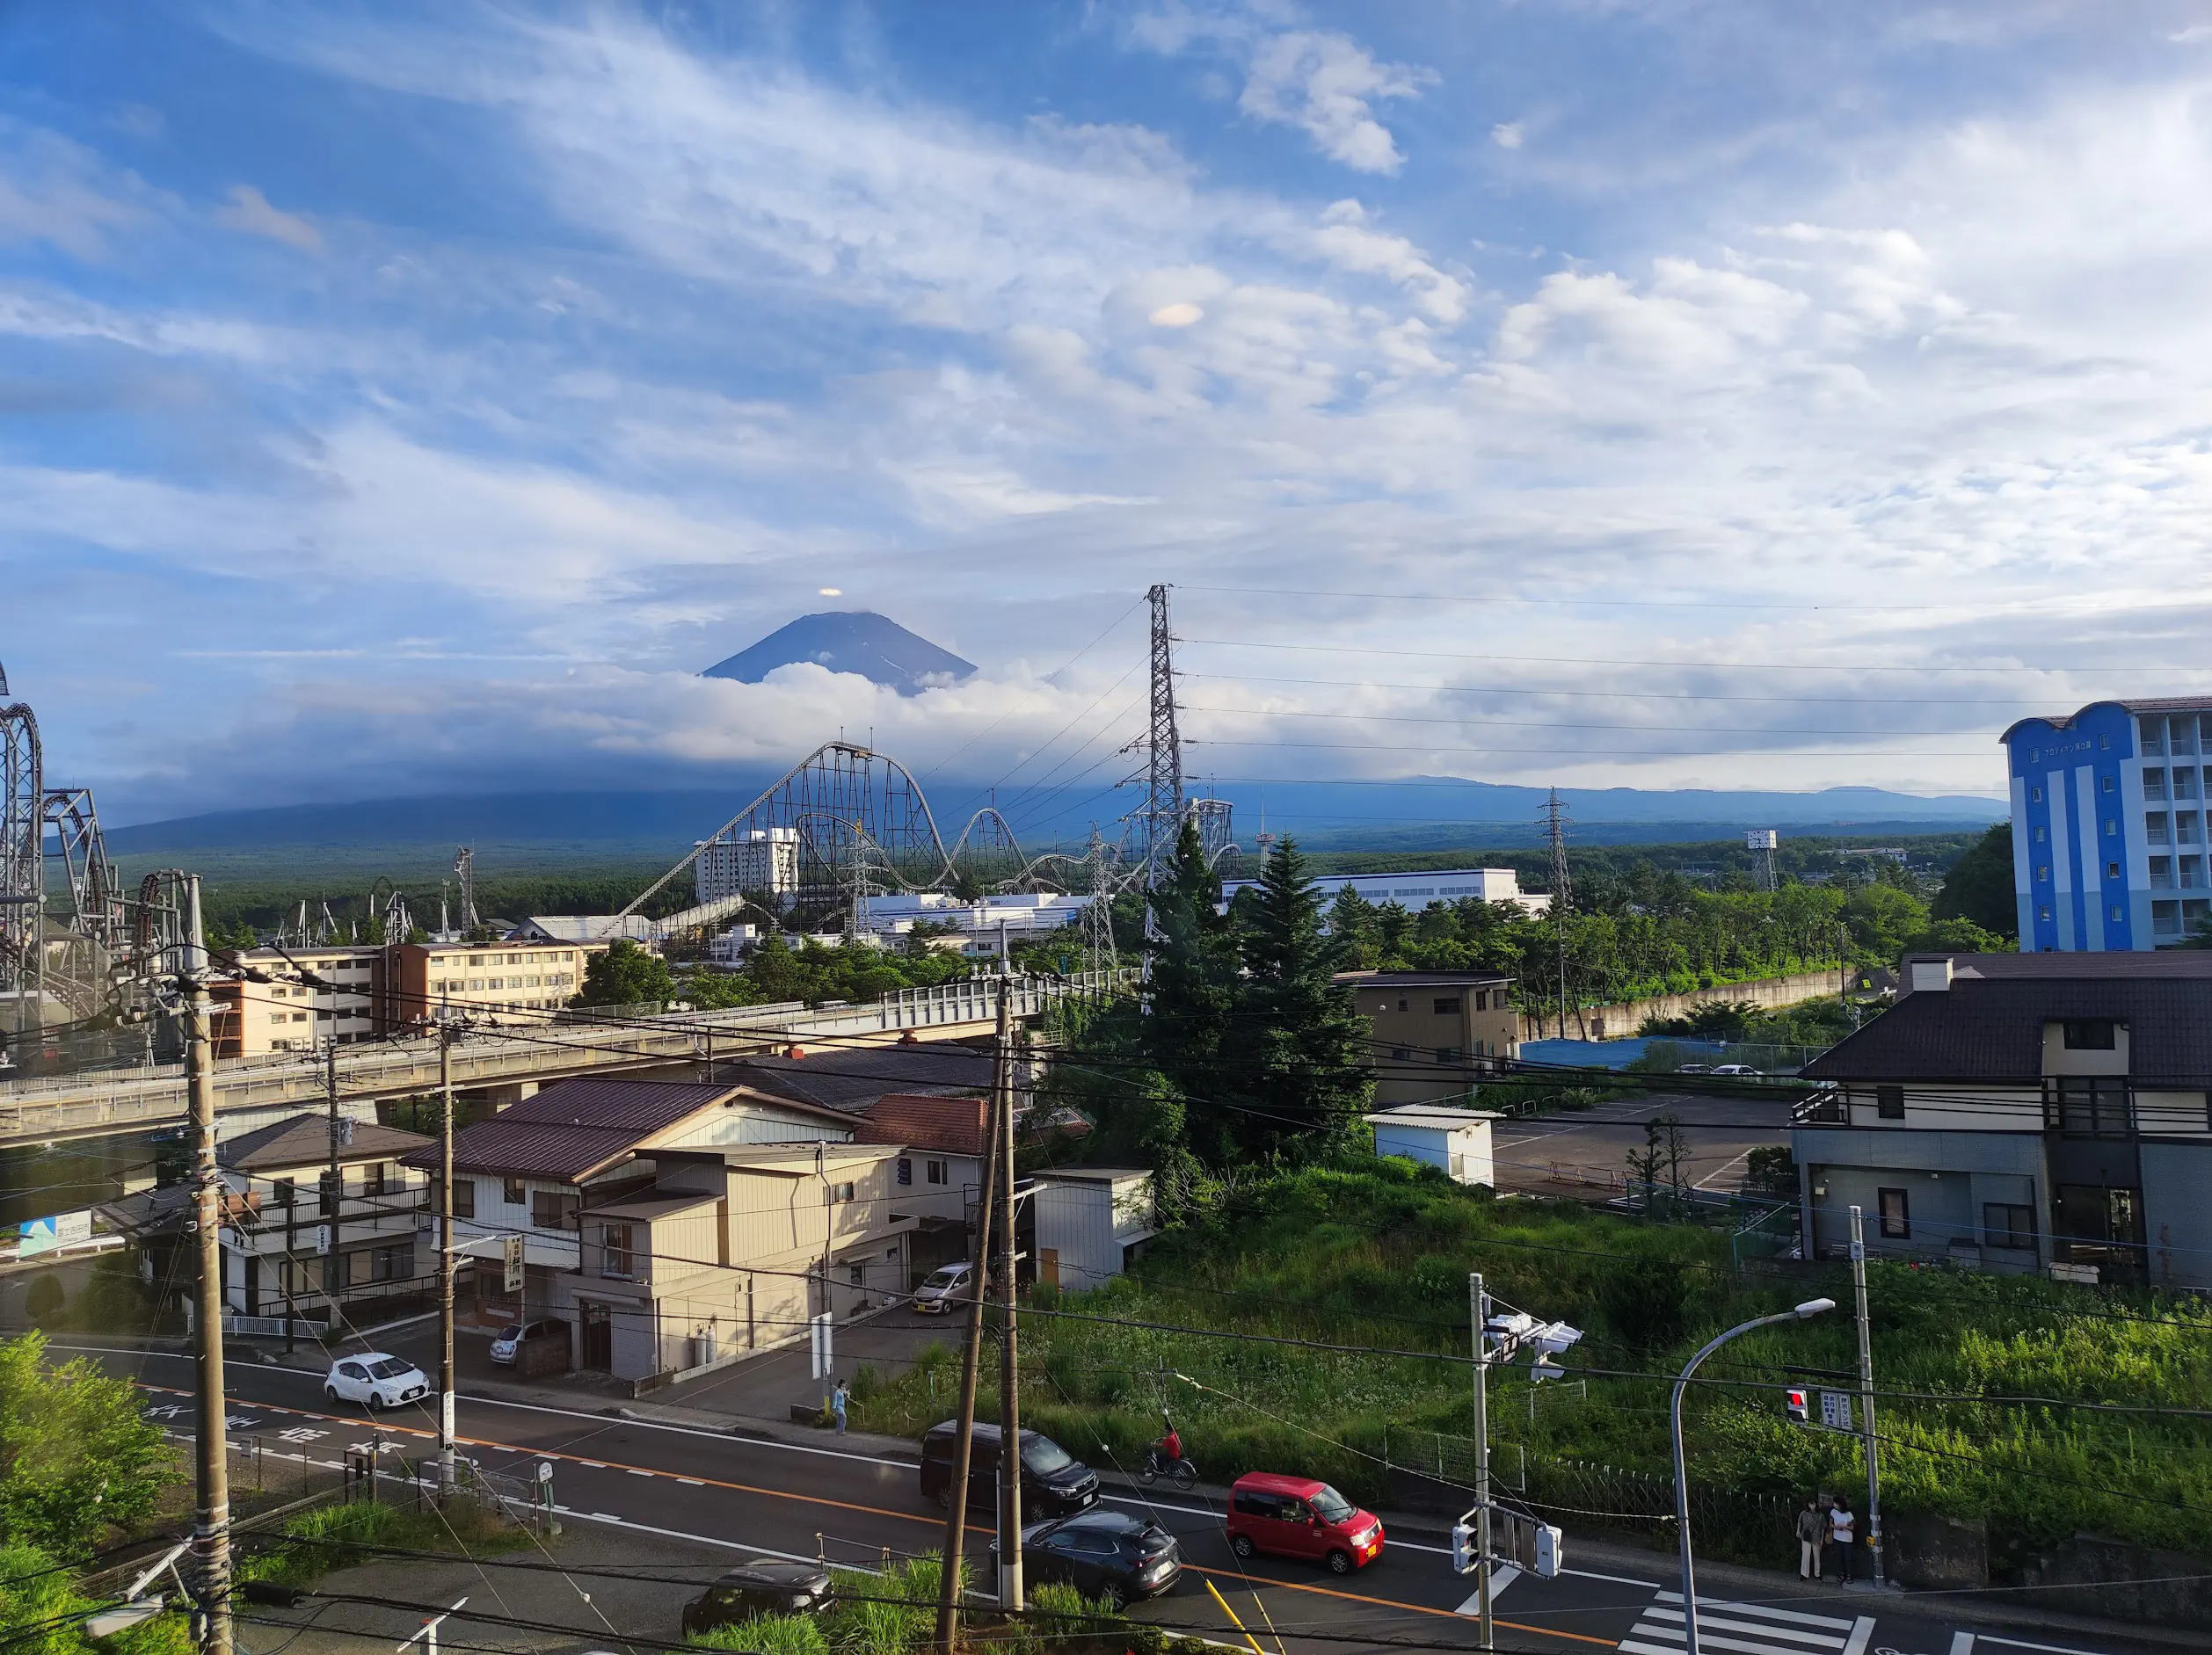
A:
[211, 1516]
[1555, 824]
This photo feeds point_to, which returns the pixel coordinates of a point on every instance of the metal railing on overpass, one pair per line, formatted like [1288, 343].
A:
[564, 1044]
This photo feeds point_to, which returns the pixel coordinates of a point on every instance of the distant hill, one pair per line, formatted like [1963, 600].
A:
[859, 641]
[1419, 814]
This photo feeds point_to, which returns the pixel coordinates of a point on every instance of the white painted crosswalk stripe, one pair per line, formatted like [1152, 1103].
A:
[1744, 1629]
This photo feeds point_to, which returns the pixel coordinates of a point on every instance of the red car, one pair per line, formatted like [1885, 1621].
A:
[1298, 1517]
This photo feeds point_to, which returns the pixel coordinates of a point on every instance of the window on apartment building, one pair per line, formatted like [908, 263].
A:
[840, 1192]
[934, 1172]
[2109, 784]
[2154, 784]
[2165, 917]
[371, 1177]
[2035, 796]
[2112, 870]
[554, 1209]
[2112, 827]
[2152, 731]
[2041, 833]
[1401, 1054]
[2088, 1106]
[1482, 999]
[1446, 1006]
[2105, 743]
[511, 1191]
[1896, 1215]
[617, 1258]
[2092, 1034]
[1450, 1053]
[1401, 1005]
[2043, 872]
[1889, 1102]
[905, 1171]
[464, 1198]
[396, 1263]
[2007, 1226]
[2119, 914]
[2153, 826]
[2162, 873]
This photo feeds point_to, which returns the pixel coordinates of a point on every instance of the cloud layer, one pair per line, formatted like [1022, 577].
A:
[1596, 434]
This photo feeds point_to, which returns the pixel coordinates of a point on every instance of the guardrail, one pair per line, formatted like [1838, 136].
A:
[91, 1105]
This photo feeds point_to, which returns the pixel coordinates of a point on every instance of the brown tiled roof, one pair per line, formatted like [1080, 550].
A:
[304, 1140]
[573, 1126]
[957, 1126]
[851, 1078]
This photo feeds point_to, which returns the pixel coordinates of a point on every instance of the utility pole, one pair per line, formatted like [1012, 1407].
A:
[445, 1259]
[333, 1201]
[957, 1493]
[1478, 1311]
[1555, 824]
[1009, 1369]
[1866, 1389]
[211, 1516]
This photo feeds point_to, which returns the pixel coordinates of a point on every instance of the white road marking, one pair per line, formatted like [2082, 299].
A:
[1744, 1629]
[1991, 1637]
[703, 1540]
[1962, 1643]
[1502, 1576]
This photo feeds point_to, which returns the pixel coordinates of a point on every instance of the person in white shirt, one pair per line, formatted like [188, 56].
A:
[1840, 1523]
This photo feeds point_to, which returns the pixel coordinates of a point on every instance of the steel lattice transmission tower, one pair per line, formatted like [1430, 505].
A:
[1761, 843]
[1098, 913]
[1163, 748]
[1555, 824]
[464, 864]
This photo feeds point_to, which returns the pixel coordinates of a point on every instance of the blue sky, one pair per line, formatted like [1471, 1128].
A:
[401, 398]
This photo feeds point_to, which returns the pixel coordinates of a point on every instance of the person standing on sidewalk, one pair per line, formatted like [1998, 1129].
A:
[1840, 1524]
[1812, 1530]
[837, 1404]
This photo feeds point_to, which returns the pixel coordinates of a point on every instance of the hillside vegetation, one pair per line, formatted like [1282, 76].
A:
[1375, 1255]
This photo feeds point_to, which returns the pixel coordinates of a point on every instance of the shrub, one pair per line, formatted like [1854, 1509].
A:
[767, 1634]
[45, 1298]
[1643, 1300]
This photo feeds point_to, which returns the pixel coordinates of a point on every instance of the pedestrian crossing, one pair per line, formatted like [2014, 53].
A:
[1746, 1629]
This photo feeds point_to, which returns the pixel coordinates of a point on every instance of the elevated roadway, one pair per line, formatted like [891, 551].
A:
[107, 1103]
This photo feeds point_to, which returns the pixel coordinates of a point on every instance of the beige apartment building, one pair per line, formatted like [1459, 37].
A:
[252, 1019]
[1436, 1034]
[484, 980]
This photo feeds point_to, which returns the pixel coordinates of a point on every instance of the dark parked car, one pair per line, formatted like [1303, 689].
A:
[1054, 1483]
[1103, 1554]
[766, 1585]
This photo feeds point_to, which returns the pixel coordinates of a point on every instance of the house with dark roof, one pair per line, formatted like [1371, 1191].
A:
[851, 1079]
[319, 1220]
[2029, 1112]
[678, 1225]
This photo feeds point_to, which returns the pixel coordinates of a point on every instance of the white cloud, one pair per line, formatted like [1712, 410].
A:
[250, 213]
[1508, 135]
[54, 190]
[1179, 315]
[1326, 83]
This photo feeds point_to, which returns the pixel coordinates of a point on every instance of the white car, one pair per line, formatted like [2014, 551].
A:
[1740, 1071]
[377, 1379]
[945, 1288]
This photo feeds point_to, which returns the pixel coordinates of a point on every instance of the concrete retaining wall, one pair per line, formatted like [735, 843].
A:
[1623, 1017]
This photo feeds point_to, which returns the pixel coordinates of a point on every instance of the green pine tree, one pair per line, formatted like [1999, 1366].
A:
[1192, 994]
[1302, 1046]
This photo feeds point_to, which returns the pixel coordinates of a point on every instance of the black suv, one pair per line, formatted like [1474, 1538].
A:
[1054, 1483]
[1101, 1554]
[766, 1585]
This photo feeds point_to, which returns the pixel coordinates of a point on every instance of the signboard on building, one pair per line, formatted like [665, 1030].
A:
[512, 1245]
[36, 1235]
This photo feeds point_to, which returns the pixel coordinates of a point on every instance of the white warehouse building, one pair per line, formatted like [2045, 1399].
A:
[1416, 891]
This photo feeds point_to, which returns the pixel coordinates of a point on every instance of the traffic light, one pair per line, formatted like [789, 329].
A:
[1462, 1549]
[1799, 1401]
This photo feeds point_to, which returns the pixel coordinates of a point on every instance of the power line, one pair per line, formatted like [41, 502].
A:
[2131, 669]
[1622, 695]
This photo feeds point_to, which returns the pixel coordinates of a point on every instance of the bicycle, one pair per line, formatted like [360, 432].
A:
[1181, 1473]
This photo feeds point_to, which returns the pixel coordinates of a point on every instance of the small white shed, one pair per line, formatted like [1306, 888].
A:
[1087, 1221]
[1457, 1140]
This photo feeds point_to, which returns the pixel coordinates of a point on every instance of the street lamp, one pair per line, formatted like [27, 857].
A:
[1803, 1312]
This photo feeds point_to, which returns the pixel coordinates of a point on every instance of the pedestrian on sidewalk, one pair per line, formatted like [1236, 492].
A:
[837, 1404]
[1840, 1523]
[1812, 1530]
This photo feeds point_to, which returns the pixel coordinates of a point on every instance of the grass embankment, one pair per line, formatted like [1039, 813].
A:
[315, 1542]
[1378, 1255]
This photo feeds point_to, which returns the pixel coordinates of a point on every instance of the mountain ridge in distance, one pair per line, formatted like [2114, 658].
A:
[859, 641]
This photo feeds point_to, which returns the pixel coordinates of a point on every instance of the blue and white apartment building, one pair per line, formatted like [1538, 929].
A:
[2108, 824]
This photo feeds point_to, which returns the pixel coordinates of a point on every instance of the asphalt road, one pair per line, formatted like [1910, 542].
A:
[765, 1498]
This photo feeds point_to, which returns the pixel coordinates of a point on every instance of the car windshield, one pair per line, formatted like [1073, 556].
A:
[391, 1367]
[1045, 1457]
[508, 1335]
[1332, 1506]
[943, 1278]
